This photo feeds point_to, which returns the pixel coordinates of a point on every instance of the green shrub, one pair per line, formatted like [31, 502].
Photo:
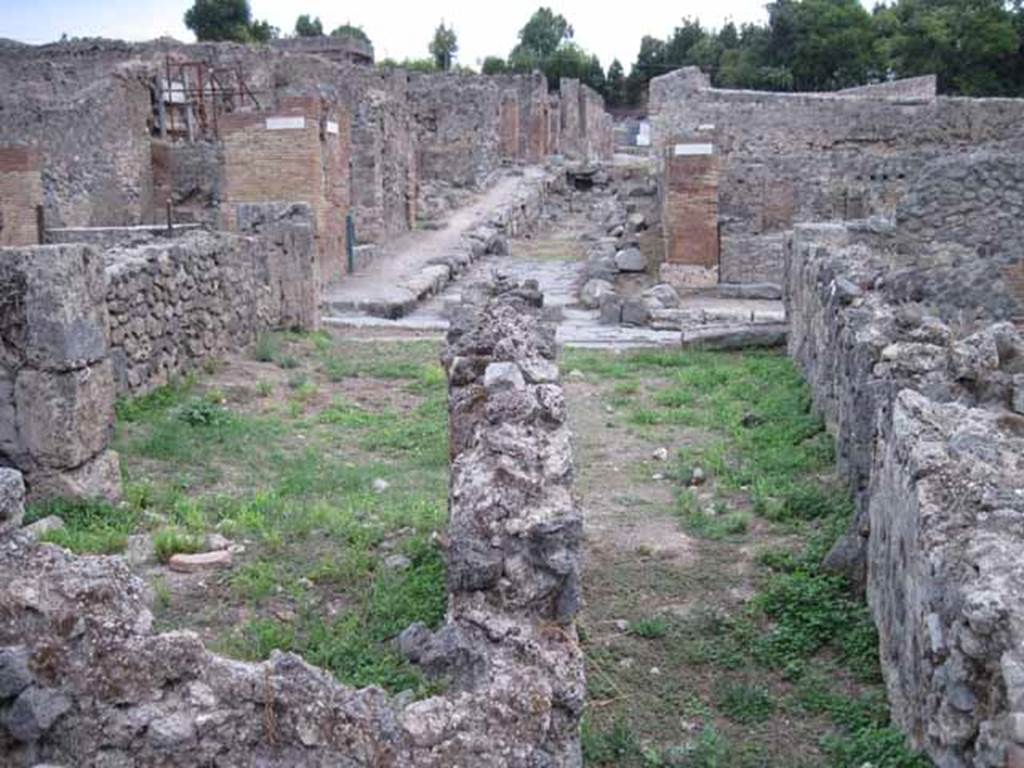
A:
[650, 628]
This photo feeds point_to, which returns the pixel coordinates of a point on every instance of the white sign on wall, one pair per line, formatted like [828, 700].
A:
[643, 134]
[681, 150]
[285, 123]
[332, 127]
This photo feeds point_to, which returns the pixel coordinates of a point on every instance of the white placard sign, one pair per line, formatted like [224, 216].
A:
[681, 150]
[285, 123]
[332, 127]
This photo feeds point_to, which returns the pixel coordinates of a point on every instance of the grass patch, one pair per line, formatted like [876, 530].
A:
[802, 653]
[298, 488]
[652, 628]
[745, 703]
[168, 542]
[90, 527]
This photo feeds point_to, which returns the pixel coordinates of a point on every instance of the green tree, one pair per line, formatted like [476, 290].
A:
[443, 46]
[974, 46]
[593, 75]
[262, 31]
[348, 30]
[307, 27]
[615, 85]
[226, 20]
[494, 65]
[826, 44]
[543, 33]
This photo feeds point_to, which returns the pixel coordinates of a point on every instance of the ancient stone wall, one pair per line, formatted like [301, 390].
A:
[21, 191]
[190, 175]
[924, 87]
[402, 143]
[690, 215]
[108, 690]
[94, 148]
[925, 395]
[790, 158]
[173, 304]
[457, 127]
[56, 378]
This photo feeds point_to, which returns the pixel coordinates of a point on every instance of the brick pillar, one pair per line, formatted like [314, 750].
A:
[21, 190]
[298, 153]
[690, 215]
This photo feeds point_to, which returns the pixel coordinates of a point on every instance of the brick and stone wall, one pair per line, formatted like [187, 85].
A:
[93, 144]
[114, 691]
[21, 191]
[458, 121]
[400, 137]
[925, 394]
[298, 152]
[790, 158]
[690, 215]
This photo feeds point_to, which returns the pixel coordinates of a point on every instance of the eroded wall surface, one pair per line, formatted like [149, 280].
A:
[925, 393]
[56, 377]
[21, 192]
[108, 690]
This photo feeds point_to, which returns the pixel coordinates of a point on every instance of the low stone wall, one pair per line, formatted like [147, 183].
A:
[173, 304]
[84, 681]
[56, 378]
[926, 397]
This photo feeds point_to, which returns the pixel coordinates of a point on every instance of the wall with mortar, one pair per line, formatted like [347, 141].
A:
[173, 304]
[113, 691]
[789, 158]
[926, 399]
[411, 136]
[21, 190]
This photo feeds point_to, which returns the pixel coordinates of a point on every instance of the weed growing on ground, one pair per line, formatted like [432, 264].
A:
[651, 628]
[90, 527]
[297, 486]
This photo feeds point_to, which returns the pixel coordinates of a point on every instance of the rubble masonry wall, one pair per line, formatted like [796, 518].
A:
[925, 394]
[85, 680]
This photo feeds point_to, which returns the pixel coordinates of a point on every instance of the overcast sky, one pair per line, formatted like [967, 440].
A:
[397, 29]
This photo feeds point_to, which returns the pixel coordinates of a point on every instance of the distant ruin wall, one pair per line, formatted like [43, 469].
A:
[925, 396]
[457, 127]
[298, 152]
[108, 690]
[173, 304]
[907, 88]
[790, 158]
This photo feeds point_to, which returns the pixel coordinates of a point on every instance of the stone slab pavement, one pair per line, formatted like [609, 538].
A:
[380, 282]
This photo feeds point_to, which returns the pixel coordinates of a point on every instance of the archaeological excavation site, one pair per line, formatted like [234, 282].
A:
[354, 415]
